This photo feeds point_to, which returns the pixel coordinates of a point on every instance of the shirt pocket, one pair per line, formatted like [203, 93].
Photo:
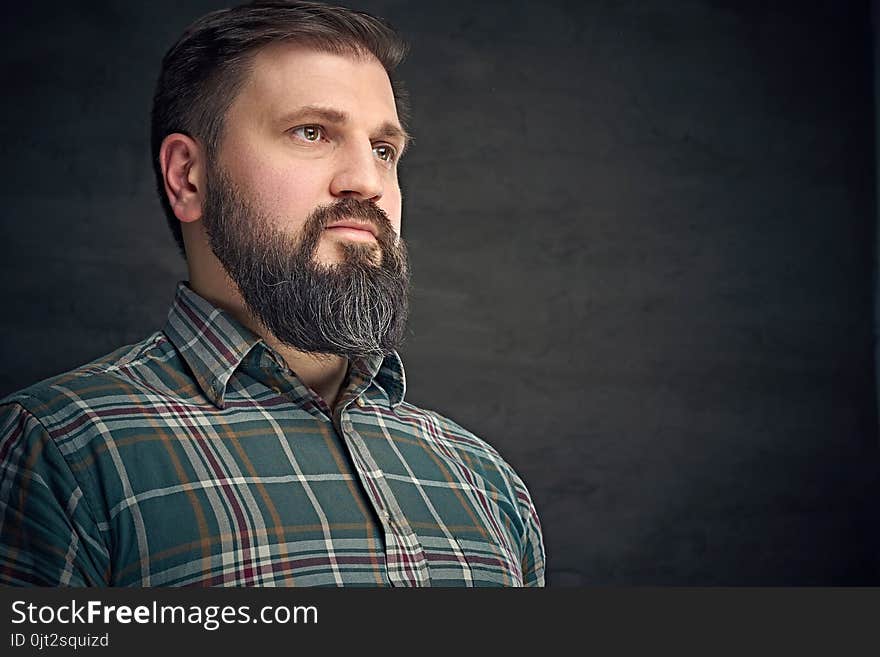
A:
[489, 563]
[455, 560]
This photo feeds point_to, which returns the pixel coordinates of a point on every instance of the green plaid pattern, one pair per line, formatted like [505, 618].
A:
[197, 458]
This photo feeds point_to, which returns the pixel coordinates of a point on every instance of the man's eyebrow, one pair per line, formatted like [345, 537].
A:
[387, 130]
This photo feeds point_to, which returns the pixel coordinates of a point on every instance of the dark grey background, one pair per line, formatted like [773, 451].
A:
[642, 237]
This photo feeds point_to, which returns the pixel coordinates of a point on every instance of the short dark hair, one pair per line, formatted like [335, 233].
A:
[203, 72]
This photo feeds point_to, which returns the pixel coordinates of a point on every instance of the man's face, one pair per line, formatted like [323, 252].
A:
[312, 140]
[272, 150]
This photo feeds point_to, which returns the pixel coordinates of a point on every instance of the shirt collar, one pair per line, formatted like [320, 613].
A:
[387, 373]
[213, 343]
[209, 339]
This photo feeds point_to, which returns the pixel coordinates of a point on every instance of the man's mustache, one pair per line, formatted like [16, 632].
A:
[352, 208]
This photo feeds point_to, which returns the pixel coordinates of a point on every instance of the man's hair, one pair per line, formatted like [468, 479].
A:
[204, 71]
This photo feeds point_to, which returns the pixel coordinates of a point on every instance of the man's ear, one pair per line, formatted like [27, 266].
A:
[183, 169]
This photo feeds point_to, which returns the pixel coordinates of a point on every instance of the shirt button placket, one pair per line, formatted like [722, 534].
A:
[408, 564]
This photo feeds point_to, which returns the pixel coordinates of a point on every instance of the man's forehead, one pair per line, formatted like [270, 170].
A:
[284, 76]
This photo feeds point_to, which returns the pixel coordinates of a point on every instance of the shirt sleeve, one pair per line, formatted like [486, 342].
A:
[533, 556]
[48, 535]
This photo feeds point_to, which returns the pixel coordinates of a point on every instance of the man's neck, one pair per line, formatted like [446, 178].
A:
[324, 375]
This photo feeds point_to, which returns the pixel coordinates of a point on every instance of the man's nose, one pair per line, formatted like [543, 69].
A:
[358, 174]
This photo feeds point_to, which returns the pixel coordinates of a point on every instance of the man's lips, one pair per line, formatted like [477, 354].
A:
[353, 229]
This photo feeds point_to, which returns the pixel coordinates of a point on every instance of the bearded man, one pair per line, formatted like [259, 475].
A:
[261, 438]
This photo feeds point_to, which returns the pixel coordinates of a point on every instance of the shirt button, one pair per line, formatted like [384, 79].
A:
[360, 402]
[384, 515]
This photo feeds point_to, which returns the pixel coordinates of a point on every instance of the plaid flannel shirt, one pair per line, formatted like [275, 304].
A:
[196, 457]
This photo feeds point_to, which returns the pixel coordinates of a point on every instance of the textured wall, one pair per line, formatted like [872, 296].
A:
[875, 24]
[642, 237]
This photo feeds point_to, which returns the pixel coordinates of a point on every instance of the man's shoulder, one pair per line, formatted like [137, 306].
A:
[441, 430]
[119, 372]
[448, 428]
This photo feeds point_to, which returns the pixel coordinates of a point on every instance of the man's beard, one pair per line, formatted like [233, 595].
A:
[355, 307]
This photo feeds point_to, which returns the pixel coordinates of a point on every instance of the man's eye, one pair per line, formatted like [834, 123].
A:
[309, 132]
[385, 153]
